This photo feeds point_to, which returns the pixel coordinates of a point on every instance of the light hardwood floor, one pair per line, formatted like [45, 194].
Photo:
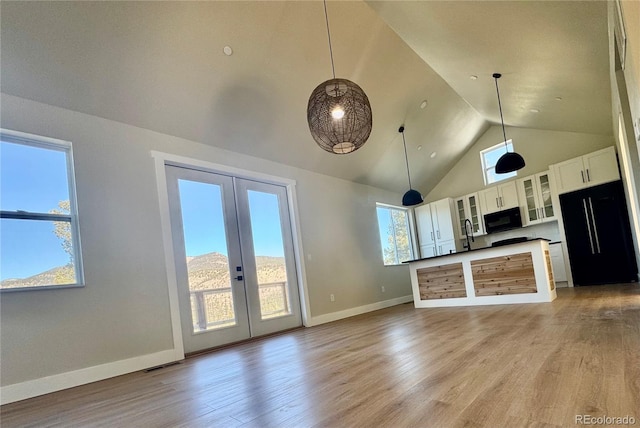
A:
[534, 365]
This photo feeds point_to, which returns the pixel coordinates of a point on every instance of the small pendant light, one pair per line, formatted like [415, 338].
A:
[510, 161]
[412, 197]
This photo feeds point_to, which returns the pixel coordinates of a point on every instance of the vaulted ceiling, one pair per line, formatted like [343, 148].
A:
[161, 66]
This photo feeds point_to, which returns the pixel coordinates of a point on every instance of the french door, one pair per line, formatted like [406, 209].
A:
[235, 264]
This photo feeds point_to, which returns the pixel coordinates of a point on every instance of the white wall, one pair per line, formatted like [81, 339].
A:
[123, 312]
[538, 147]
[625, 105]
[631, 14]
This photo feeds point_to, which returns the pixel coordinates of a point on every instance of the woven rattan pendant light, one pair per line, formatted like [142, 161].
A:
[339, 113]
[510, 161]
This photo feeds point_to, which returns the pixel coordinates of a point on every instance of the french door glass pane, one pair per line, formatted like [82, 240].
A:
[268, 247]
[205, 244]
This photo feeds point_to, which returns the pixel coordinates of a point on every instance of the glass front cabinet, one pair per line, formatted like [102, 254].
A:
[468, 207]
[535, 198]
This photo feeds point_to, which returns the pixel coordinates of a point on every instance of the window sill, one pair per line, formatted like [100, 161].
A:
[40, 287]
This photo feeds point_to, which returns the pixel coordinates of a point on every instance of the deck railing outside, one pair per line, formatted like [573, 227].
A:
[213, 308]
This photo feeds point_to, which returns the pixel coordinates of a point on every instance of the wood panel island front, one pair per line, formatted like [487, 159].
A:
[515, 273]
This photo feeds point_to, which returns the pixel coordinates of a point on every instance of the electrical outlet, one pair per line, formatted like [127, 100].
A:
[382, 288]
[332, 297]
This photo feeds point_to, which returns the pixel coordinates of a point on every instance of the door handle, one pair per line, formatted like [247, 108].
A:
[432, 237]
[588, 178]
[593, 221]
[501, 203]
[582, 174]
[497, 203]
[586, 217]
[239, 278]
[438, 234]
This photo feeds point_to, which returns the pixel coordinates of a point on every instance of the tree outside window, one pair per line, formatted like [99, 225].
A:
[395, 234]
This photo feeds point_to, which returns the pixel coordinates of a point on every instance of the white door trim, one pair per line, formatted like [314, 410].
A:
[161, 159]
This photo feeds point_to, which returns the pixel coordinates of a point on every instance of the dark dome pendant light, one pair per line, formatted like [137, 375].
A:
[338, 112]
[412, 197]
[510, 161]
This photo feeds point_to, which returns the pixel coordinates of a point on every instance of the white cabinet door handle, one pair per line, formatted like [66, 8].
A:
[588, 178]
[582, 174]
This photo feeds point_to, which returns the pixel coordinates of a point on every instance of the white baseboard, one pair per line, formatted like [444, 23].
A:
[334, 316]
[45, 385]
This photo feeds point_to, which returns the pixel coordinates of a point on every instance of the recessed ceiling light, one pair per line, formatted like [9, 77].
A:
[227, 50]
[433, 155]
[534, 110]
[558, 98]
[419, 147]
[473, 77]
[423, 104]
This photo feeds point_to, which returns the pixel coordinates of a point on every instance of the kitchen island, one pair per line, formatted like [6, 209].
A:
[515, 273]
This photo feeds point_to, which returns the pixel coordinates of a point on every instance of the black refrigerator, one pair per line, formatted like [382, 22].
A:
[598, 235]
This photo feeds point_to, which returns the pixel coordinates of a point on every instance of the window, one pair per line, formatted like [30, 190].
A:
[395, 234]
[489, 157]
[39, 243]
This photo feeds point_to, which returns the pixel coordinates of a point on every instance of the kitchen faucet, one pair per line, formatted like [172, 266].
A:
[466, 232]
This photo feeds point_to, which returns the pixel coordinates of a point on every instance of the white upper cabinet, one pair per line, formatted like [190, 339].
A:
[424, 223]
[508, 195]
[468, 207]
[585, 171]
[435, 228]
[444, 227]
[535, 198]
[498, 198]
[601, 167]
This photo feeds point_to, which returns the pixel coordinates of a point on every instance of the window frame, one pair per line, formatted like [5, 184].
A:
[410, 232]
[485, 168]
[48, 143]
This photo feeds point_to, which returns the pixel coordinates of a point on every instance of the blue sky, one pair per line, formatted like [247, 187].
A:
[384, 222]
[34, 180]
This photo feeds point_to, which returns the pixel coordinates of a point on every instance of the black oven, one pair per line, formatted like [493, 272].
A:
[503, 220]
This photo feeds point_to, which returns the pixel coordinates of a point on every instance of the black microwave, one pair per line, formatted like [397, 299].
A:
[503, 220]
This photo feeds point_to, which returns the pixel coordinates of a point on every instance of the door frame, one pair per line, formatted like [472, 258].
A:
[161, 160]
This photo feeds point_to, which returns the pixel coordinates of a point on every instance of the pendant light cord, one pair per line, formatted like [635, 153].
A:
[504, 134]
[406, 159]
[326, 17]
